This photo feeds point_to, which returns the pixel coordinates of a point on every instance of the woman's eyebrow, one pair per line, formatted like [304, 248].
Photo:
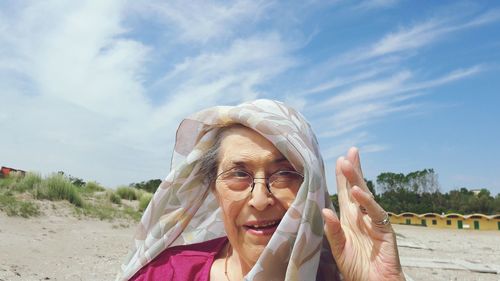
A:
[279, 160]
[240, 162]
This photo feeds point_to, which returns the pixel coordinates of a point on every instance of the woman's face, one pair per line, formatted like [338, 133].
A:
[251, 220]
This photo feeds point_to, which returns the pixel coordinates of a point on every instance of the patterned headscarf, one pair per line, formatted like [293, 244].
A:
[184, 211]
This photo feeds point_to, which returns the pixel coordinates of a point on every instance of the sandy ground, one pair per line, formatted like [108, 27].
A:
[479, 248]
[58, 246]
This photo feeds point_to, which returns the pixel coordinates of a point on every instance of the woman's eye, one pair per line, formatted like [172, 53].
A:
[286, 176]
[239, 174]
[284, 173]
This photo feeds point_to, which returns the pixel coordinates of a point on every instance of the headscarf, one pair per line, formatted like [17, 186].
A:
[184, 211]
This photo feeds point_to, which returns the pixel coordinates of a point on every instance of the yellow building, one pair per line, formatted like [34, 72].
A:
[496, 220]
[395, 219]
[483, 222]
[453, 221]
[410, 218]
[432, 220]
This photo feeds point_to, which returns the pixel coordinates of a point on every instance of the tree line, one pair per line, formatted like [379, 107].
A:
[419, 192]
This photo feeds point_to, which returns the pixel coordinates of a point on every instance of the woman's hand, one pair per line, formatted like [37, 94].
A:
[363, 243]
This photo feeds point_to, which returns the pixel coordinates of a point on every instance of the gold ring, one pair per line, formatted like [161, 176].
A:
[384, 221]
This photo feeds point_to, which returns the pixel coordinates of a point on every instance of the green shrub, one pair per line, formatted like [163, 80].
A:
[94, 186]
[58, 187]
[131, 213]
[76, 181]
[106, 211]
[126, 192]
[144, 201]
[29, 182]
[149, 186]
[28, 209]
[13, 207]
[100, 211]
[114, 198]
[7, 182]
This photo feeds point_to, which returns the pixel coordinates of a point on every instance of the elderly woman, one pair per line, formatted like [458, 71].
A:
[246, 199]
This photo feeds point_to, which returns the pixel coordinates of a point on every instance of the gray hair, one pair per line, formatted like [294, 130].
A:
[209, 162]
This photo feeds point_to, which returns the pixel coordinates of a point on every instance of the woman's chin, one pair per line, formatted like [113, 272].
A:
[252, 253]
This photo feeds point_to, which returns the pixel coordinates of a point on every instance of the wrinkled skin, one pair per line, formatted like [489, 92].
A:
[244, 148]
[362, 249]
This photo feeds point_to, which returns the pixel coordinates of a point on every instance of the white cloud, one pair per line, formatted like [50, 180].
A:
[361, 139]
[367, 91]
[74, 52]
[263, 52]
[74, 79]
[355, 117]
[415, 36]
[228, 76]
[339, 82]
[375, 4]
[72, 85]
[78, 92]
[452, 76]
[369, 102]
[202, 21]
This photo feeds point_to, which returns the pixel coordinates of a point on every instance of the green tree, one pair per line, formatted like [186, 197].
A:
[149, 186]
[371, 187]
[390, 181]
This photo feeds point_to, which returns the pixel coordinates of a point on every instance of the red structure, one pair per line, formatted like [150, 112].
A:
[5, 171]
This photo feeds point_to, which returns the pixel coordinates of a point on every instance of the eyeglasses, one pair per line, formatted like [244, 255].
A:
[240, 183]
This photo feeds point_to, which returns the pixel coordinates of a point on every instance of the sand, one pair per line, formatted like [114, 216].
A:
[444, 248]
[58, 246]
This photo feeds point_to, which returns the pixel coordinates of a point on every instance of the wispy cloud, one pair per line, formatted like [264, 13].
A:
[355, 117]
[339, 82]
[367, 91]
[375, 4]
[105, 83]
[361, 139]
[416, 36]
[393, 86]
[372, 101]
[355, 102]
[371, 95]
[82, 78]
[203, 21]
[229, 76]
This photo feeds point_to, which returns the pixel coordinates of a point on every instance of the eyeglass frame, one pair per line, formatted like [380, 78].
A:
[267, 182]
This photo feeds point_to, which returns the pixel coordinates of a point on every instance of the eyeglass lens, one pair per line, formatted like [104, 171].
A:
[239, 184]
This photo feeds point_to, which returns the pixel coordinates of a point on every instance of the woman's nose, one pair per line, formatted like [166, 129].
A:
[261, 196]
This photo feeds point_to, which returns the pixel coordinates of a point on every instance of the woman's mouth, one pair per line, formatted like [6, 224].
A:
[262, 228]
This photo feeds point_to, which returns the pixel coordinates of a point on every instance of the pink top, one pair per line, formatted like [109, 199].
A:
[182, 263]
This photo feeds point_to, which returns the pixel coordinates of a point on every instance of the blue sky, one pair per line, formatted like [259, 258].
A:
[97, 88]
